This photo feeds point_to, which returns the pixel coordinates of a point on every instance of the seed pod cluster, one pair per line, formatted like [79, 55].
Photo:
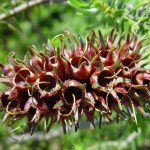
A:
[79, 79]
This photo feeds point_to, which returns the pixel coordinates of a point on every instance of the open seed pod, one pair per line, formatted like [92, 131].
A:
[77, 80]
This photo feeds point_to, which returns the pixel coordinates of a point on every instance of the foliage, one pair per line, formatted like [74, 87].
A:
[123, 15]
[35, 25]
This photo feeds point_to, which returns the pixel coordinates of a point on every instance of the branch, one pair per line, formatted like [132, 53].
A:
[24, 6]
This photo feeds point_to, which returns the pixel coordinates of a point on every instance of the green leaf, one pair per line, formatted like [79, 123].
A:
[130, 21]
[82, 6]
[119, 12]
[9, 25]
[138, 6]
[77, 3]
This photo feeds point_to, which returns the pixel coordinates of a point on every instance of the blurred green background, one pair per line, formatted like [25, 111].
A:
[33, 27]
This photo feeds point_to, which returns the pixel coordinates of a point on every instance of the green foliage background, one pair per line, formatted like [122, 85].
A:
[35, 25]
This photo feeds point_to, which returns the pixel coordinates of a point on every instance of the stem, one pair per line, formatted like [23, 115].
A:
[24, 6]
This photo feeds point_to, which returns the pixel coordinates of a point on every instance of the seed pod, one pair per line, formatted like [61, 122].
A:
[78, 79]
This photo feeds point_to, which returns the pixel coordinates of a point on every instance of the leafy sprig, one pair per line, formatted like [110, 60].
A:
[124, 15]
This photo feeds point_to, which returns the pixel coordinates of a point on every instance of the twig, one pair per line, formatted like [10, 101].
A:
[24, 6]
[21, 8]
